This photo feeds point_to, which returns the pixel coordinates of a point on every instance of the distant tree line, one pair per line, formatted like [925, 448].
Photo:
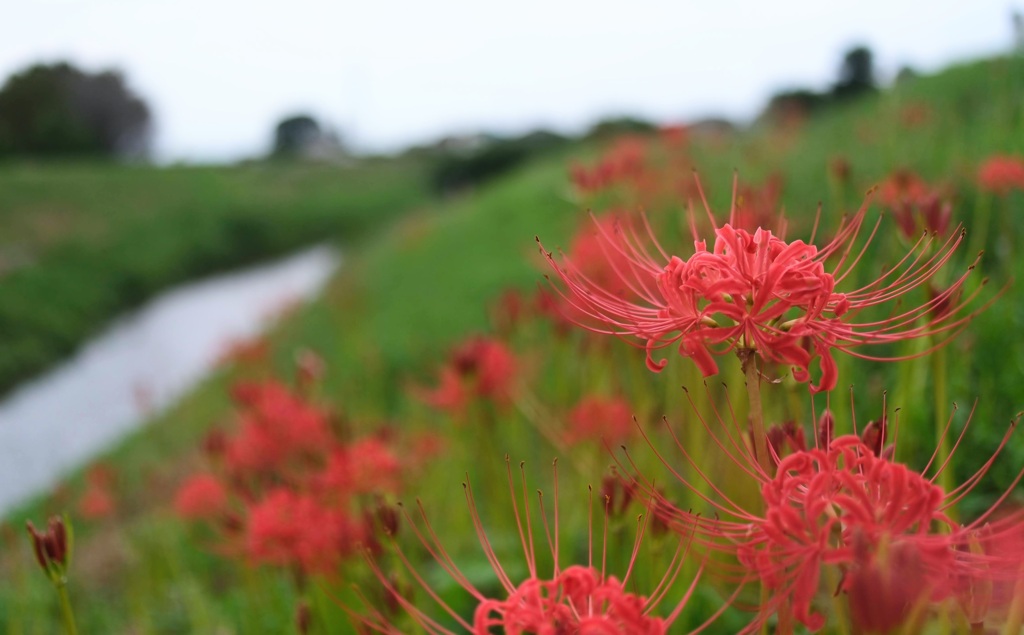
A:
[51, 110]
[856, 78]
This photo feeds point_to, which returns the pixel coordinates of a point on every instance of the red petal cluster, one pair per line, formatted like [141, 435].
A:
[1002, 174]
[825, 505]
[847, 505]
[285, 489]
[287, 528]
[480, 367]
[755, 292]
[577, 600]
[623, 162]
[201, 497]
[597, 418]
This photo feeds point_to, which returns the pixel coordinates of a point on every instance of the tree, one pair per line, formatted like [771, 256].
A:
[794, 103]
[295, 134]
[856, 74]
[57, 109]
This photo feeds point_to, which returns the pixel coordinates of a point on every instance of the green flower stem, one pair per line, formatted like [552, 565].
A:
[940, 391]
[66, 613]
[980, 224]
[755, 411]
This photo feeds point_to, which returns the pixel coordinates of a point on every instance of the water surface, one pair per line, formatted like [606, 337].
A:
[140, 365]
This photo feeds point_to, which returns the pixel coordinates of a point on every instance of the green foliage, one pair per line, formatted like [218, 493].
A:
[457, 169]
[59, 110]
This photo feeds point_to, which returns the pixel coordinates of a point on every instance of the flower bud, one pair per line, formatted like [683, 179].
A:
[826, 429]
[874, 435]
[303, 618]
[51, 546]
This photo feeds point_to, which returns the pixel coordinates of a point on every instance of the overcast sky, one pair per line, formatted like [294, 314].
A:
[219, 74]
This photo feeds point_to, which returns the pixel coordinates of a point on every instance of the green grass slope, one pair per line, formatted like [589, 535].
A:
[405, 297]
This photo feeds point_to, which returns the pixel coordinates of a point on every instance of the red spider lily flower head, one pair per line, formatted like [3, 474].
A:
[1002, 174]
[903, 186]
[849, 507]
[97, 502]
[756, 294]
[98, 499]
[597, 418]
[580, 598]
[362, 467]
[479, 367]
[277, 429]
[450, 395]
[291, 529]
[916, 205]
[824, 505]
[201, 497]
[489, 365]
[930, 214]
[624, 161]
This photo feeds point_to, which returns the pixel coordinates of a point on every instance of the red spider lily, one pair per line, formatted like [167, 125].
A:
[364, 466]
[758, 294]
[623, 162]
[597, 418]
[97, 502]
[286, 528]
[580, 598]
[201, 497]
[847, 505]
[931, 215]
[916, 206]
[278, 429]
[98, 499]
[1002, 174]
[285, 490]
[479, 367]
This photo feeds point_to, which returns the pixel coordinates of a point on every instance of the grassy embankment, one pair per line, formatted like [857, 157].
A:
[83, 243]
[403, 299]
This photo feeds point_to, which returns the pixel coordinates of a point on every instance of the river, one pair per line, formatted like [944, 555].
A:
[140, 365]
